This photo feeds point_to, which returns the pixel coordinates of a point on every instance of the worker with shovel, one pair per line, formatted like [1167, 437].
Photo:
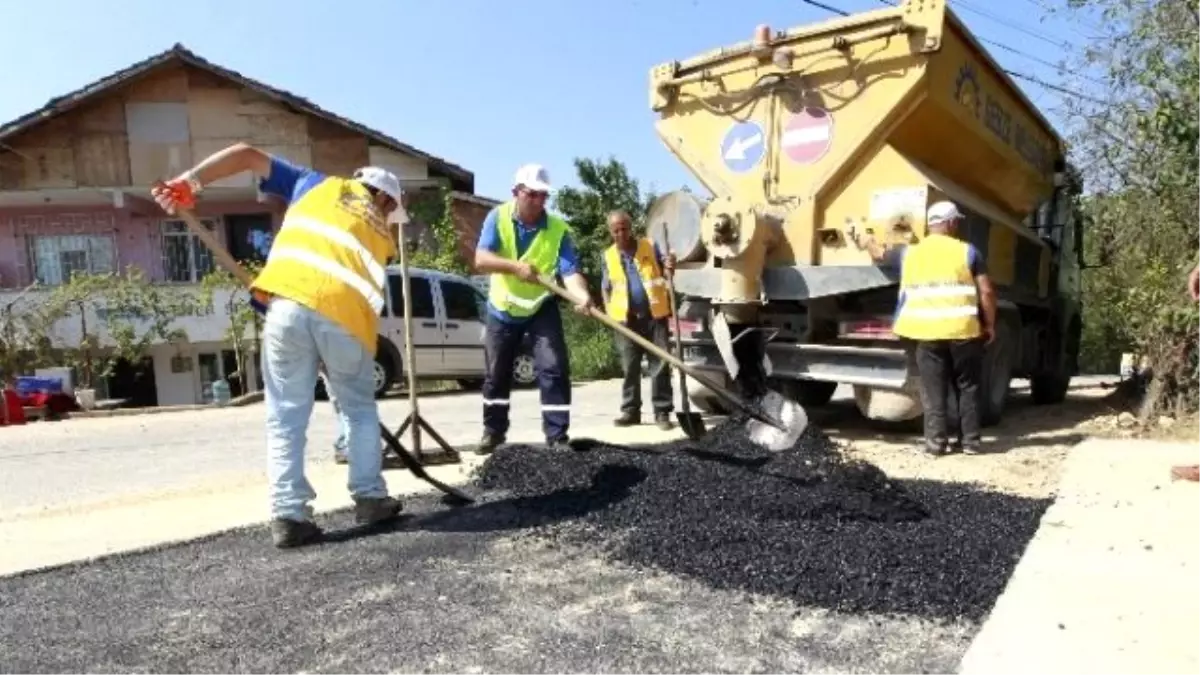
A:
[323, 286]
[519, 242]
[635, 293]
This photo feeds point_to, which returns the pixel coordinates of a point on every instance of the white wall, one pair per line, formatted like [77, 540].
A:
[404, 166]
[185, 388]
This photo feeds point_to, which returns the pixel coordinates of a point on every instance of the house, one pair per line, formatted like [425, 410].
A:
[75, 177]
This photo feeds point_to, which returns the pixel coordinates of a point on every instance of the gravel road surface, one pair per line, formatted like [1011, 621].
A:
[559, 580]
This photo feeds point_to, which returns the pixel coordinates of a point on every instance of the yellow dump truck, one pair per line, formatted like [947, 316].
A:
[806, 138]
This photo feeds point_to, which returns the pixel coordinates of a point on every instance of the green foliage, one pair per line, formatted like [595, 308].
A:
[245, 323]
[606, 186]
[591, 346]
[133, 314]
[442, 253]
[1138, 149]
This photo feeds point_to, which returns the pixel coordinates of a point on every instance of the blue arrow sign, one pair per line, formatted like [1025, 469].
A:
[743, 147]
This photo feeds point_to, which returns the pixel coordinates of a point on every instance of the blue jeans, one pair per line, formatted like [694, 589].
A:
[295, 340]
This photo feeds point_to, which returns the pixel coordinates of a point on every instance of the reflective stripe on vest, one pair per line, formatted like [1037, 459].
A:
[509, 294]
[329, 256]
[649, 272]
[939, 299]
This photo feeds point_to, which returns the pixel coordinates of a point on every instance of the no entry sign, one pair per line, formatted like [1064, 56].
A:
[807, 135]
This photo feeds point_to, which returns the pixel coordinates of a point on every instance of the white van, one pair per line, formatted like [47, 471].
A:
[448, 327]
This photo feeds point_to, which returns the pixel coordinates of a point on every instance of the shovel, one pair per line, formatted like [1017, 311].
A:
[227, 261]
[775, 424]
[691, 423]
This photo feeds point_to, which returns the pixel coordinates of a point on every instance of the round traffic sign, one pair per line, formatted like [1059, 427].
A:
[807, 135]
[743, 146]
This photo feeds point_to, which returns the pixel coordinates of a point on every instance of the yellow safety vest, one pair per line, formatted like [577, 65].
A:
[514, 296]
[938, 296]
[652, 280]
[330, 255]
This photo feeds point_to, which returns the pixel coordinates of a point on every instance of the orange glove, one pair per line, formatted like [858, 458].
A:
[179, 193]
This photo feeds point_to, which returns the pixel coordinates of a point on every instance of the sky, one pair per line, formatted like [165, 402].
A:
[487, 85]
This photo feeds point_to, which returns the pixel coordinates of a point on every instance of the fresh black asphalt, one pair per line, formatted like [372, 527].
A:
[684, 557]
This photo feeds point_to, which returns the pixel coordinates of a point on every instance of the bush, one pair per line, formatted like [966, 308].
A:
[592, 347]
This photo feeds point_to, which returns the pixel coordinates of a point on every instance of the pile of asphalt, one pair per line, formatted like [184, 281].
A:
[806, 524]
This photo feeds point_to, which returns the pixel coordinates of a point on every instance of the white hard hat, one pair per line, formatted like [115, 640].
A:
[533, 176]
[942, 211]
[381, 179]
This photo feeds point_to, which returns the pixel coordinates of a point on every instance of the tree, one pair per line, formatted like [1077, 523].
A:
[133, 312]
[436, 211]
[242, 316]
[606, 186]
[1138, 143]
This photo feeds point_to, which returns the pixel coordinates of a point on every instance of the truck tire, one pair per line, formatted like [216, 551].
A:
[1048, 388]
[998, 362]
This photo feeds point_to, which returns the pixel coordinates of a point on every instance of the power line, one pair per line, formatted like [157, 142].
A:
[825, 7]
[1005, 22]
[1053, 87]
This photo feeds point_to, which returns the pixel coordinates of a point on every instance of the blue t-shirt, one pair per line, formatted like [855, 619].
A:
[638, 302]
[489, 240]
[288, 181]
[894, 258]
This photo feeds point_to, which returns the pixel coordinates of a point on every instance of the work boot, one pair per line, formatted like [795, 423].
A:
[489, 444]
[934, 450]
[663, 421]
[375, 510]
[287, 533]
[560, 444]
[628, 418]
[1188, 473]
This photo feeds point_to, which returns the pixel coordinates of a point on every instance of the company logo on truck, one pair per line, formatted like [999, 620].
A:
[986, 107]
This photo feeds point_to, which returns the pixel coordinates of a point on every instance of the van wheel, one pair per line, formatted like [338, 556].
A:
[524, 370]
[385, 373]
[997, 374]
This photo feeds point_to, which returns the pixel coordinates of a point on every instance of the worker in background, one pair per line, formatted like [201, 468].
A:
[519, 242]
[947, 306]
[635, 293]
[1190, 472]
[323, 286]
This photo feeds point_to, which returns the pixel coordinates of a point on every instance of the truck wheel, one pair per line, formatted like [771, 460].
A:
[1051, 387]
[997, 375]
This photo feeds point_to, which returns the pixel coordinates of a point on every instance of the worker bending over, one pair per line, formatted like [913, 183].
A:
[635, 293]
[519, 241]
[323, 285]
[947, 306]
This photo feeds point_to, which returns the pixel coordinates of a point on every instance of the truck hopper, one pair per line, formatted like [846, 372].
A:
[810, 136]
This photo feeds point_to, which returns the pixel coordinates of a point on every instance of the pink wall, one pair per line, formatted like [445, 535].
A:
[138, 233]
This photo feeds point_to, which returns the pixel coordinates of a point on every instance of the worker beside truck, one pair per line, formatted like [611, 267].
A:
[635, 293]
[322, 285]
[947, 308]
[519, 242]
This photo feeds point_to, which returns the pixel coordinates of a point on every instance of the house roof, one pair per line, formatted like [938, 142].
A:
[181, 54]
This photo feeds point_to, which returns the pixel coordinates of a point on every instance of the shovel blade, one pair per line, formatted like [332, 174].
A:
[791, 418]
[692, 424]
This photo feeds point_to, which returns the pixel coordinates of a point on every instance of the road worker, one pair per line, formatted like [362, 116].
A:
[519, 241]
[323, 287]
[635, 293]
[947, 307]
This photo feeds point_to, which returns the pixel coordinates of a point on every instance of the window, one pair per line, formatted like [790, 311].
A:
[462, 302]
[56, 259]
[422, 305]
[185, 258]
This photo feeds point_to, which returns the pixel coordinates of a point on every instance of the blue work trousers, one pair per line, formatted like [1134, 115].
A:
[502, 344]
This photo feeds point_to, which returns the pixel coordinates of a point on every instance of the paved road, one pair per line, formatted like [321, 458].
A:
[84, 460]
[95, 459]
